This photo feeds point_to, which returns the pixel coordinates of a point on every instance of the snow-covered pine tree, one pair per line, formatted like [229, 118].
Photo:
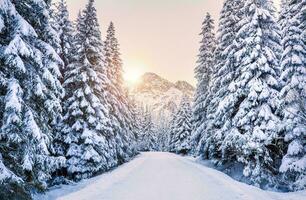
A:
[181, 133]
[117, 99]
[135, 118]
[253, 135]
[30, 91]
[36, 13]
[65, 30]
[171, 132]
[293, 95]
[222, 107]
[206, 50]
[203, 73]
[223, 71]
[162, 130]
[40, 18]
[86, 134]
[147, 139]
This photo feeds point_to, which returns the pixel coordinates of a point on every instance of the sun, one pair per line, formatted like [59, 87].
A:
[132, 75]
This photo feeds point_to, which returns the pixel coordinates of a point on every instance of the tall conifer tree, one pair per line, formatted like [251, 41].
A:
[203, 73]
[180, 141]
[253, 134]
[30, 90]
[117, 98]
[147, 139]
[293, 94]
[64, 29]
[223, 71]
[86, 134]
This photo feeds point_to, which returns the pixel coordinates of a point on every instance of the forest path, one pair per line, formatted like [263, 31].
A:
[163, 176]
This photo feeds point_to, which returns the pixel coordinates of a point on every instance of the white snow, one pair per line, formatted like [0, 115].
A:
[5, 173]
[1, 23]
[164, 176]
[160, 96]
[27, 163]
[12, 99]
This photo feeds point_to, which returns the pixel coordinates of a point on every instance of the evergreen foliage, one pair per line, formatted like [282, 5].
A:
[253, 94]
[223, 72]
[30, 92]
[65, 111]
[162, 131]
[64, 28]
[117, 99]
[147, 138]
[86, 129]
[203, 73]
[293, 94]
[256, 107]
[181, 129]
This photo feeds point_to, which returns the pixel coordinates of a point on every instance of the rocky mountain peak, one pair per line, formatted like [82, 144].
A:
[151, 82]
[185, 86]
[160, 95]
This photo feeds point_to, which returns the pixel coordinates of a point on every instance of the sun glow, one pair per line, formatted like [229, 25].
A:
[132, 73]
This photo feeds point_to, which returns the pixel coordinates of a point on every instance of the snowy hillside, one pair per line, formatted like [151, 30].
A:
[160, 95]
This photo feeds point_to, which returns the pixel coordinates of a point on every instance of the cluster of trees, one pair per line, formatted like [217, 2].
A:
[147, 135]
[64, 112]
[250, 103]
[179, 140]
[165, 134]
[153, 134]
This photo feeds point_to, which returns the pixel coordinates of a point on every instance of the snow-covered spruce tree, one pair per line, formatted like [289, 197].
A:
[141, 123]
[203, 73]
[221, 117]
[162, 130]
[253, 135]
[222, 75]
[64, 28]
[43, 27]
[171, 132]
[86, 132]
[147, 139]
[135, 123]
[117, 99]
[293, 95]
[30, 91]
[162, 137]
[181, 133]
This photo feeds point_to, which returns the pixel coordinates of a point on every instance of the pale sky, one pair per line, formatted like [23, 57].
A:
[160, 36]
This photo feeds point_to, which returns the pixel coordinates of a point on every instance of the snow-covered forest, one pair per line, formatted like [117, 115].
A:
[250, 104]
[66, 113]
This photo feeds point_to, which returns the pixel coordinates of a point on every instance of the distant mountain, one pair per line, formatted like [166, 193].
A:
[185, 87]
[160, 95]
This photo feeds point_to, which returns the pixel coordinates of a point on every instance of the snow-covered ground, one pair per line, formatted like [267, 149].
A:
[164, 176]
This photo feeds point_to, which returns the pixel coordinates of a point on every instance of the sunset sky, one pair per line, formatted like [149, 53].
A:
[158, 36]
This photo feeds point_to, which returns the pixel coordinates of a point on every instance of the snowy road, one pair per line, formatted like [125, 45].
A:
[164, 176]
